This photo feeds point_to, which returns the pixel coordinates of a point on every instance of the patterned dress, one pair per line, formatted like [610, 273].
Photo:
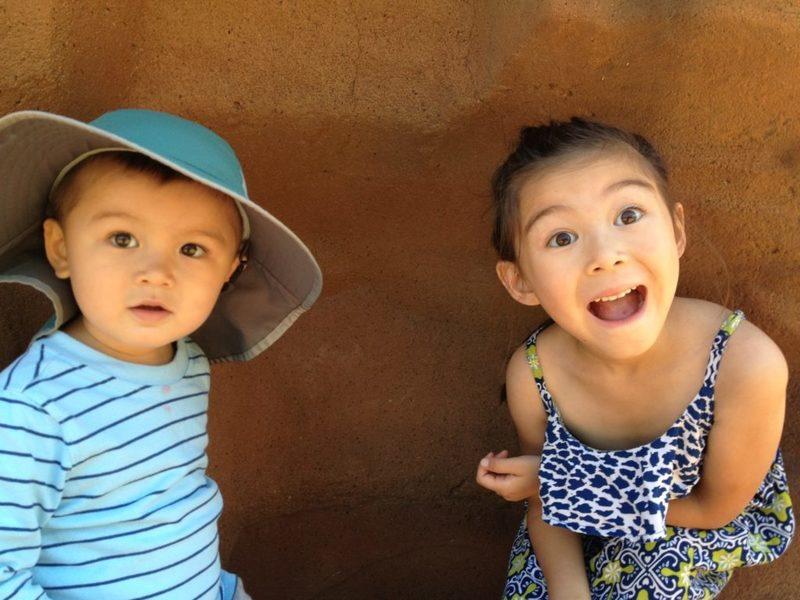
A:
[618, 500]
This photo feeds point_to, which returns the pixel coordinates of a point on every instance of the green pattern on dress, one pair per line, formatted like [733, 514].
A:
[732, 322]
[533, 361]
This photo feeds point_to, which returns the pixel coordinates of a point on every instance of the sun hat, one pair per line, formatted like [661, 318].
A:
[282, 280]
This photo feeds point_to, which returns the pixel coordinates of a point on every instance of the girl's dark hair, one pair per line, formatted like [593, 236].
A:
[539, 146]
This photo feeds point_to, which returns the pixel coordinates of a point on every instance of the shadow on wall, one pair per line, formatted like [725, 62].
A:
[22, 312]
[382, 549]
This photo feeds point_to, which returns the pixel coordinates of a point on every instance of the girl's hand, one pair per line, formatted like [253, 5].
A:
[514, 478]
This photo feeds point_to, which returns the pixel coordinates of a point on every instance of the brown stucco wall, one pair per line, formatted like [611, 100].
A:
[346, 452]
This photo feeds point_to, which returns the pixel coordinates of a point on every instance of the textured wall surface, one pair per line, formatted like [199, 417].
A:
[346, 452]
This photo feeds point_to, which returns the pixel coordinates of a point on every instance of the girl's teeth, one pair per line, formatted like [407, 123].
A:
[617, 297]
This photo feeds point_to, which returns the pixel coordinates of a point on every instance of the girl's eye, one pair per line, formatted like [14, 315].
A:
[192, 250]
[628, 216]
[562, 238]
[123, 240]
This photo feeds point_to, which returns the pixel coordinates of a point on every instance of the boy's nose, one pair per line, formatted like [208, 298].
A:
[156, 271]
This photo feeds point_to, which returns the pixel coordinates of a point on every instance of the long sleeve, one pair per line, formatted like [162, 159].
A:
[103, 490]
[34, 464]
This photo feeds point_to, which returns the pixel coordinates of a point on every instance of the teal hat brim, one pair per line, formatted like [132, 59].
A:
[282, 279]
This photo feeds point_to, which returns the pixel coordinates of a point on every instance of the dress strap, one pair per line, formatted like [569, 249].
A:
[729, 325]
[536, 368]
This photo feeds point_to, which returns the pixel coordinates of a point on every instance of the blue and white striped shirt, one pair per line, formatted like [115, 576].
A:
[103, 489]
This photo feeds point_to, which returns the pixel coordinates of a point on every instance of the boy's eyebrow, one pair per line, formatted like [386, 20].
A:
[207, 233]
[112, 214]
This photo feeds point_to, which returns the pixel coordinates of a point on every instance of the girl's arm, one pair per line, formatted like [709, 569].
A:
[559, 551]
[750, 401]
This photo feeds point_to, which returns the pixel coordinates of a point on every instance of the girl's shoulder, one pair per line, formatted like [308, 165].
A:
[521, 372]
[524, 402]
[752, 366]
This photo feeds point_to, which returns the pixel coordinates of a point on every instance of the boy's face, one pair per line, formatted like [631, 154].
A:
[146, 260]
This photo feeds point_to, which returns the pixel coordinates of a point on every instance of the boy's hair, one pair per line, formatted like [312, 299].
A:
[64, 197]
[545, 145]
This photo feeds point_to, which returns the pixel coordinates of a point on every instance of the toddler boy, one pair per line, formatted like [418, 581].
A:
[147, 232]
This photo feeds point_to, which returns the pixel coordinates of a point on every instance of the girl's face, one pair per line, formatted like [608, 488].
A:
[598, 249]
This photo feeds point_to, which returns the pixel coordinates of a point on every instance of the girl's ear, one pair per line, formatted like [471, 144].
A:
[515, 283]
[680, 228]
[56, 248]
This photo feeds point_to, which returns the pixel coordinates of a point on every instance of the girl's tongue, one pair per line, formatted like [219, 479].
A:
[616, 310]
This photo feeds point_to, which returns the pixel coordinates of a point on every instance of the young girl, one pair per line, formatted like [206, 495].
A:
[651, 464]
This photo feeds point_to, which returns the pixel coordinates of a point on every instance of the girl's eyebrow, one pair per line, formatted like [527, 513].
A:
[617, 185]
[543, 213]
[626, 182]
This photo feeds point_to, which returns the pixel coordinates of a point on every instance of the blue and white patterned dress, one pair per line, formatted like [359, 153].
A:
[618, 500]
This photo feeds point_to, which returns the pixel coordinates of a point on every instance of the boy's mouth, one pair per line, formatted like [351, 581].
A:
[619, 306]
[149, 311]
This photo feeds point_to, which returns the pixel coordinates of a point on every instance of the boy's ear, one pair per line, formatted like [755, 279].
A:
[55, 248]
[239, 264]
[515, 283]
[680, 227]
[234, 266]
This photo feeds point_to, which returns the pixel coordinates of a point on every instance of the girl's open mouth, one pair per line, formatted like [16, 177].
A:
[620, 306]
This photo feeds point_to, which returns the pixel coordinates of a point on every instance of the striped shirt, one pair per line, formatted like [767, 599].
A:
[103, 489]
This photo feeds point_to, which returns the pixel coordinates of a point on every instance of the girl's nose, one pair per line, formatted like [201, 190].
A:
[607, 254]
[608, 264]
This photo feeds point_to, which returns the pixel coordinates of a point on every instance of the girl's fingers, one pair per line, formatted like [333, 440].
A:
[504, 486]
[490, 459]
[516, 465]
[492, 481]
[483, 475]
[486, 479]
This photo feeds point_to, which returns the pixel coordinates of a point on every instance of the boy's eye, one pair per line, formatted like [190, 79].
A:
[562, 238]
[123, 240]
[192, 250]
[629, 216]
